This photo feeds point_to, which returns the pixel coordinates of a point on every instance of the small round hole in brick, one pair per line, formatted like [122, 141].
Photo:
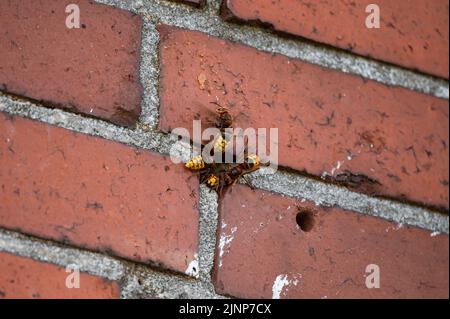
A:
[305, 219]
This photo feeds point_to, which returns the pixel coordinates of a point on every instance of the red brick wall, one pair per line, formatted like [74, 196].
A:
[23, 278]
[92, 70]
[323, 116]
[328, 258]
[80, 170]
[414, 33]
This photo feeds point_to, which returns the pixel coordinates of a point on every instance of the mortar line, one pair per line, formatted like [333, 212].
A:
[208, 221]
[329, 195]
[149, 74]
[127, 273]
[50, 252]
[293, 185]
[207, 21]
[203, 286]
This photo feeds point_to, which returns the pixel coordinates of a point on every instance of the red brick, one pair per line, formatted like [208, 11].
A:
[259, 240]
[195, 3]
[97, 194]
[23, 278]
[413, 34]
[398, 139]
[92, 70]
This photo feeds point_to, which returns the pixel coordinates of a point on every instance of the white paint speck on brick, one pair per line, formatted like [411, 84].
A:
[225, 241]
[434, 234]
[281, 283]
[193, 269]
[397, 227]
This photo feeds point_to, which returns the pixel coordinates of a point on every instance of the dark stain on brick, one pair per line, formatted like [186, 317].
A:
[357, 182]
[125, 117]
[375, 140]
[228, 15]
[328, 121]
[394, 178]
[94, 205]
[36, 295]
[312, 252]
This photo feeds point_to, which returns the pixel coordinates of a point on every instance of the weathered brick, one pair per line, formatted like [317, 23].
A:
[263, 253]
[413, 34]
[23, 278]
[92, 70]
[195, 3]
[380, 140]
[97, 194]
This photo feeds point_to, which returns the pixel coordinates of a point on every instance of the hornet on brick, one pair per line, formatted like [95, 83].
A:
[220, 176]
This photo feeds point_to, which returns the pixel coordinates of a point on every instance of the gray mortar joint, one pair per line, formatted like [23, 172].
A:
[208, 21]
[143, 281]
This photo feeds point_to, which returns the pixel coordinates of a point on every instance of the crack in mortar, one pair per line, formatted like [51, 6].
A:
[209, 22]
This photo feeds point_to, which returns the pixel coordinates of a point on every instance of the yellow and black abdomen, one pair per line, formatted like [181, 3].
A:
[196, 163]
[220, 144]
[212, 181]
[252, 161]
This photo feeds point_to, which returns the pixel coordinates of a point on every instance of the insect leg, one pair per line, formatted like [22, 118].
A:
[204, 176]
[220, 186]
[248, 182]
